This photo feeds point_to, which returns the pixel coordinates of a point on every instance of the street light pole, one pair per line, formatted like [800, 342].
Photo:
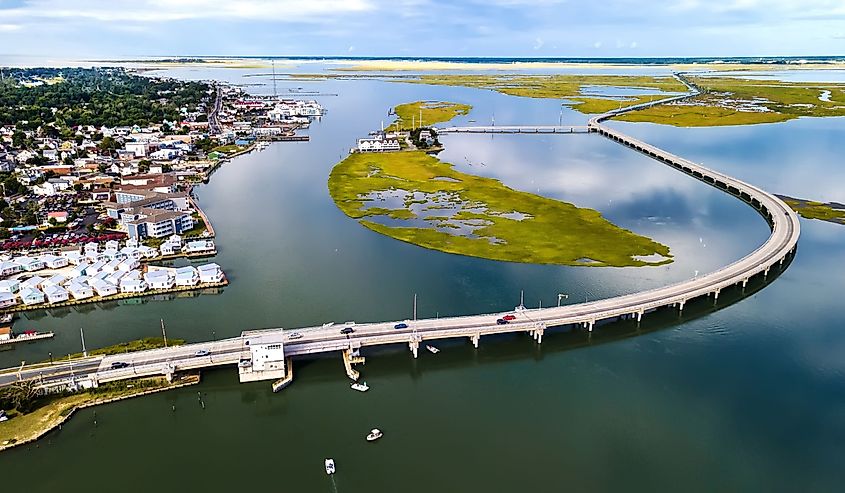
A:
[415, 307]
[50, 353]
[163, 333]
[560, 296]
[82, 336]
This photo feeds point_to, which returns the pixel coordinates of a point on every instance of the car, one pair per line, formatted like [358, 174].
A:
[117, 365]
[202, 352]
[509, 317]
[400, 326]
[295, 335]
[501, 321]
[347, 330]
[245, 363]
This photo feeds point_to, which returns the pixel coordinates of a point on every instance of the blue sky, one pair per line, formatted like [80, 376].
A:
[566, 28]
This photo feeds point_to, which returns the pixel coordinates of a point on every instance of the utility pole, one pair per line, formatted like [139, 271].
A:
[415, 307]
[163, 333]
[561, 296]
[274, 80]
[82, 336]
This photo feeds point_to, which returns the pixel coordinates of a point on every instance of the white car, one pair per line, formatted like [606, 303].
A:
[295, 335]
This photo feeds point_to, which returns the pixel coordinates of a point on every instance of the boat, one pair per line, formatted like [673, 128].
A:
[432, 349]
[374, 435]
[360, 387]
[330, 466]
[7, 318]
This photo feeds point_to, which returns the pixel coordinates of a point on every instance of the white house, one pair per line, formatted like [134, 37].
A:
[54, 262]
[199, 246]
[80, 291]
[30, 264]
[187, 276]
[94, 268]
[56, 280]
[110, 254]
[132, 274]
[112, 245]
[147, 251]
[210, 273]
[9, 286]
[8, 268]
[74, 257]
[7, 300]
[91, 248]
[78, 271]
[33, 282]
[159, 279]
[55, 294]
[103, 288]
[168, 248]
[31, 296]
[112, 266]
[378, 145]
[114, 278]
[132, 285]
[131, 252]
[128, 264]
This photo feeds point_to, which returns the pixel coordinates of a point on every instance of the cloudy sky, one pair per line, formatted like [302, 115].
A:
[566, 28]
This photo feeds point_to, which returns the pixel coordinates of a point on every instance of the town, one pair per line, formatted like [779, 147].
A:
[92, 196]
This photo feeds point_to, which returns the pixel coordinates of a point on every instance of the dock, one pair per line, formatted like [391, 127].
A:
[27, 338]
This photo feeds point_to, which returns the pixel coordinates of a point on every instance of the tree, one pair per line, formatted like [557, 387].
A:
[144, 165]
[68, 161]
[21, 396]
[107, 144]
[19, 139]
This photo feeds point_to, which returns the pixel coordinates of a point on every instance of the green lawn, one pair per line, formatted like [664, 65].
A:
[553, 232]
[809, 209]
[228, 149]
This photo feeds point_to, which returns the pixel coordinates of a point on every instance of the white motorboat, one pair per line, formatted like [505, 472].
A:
[330, 466]
[432, 349]
[360, 387]
[374, 435]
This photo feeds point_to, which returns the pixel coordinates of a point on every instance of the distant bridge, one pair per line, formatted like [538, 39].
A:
[517, 129]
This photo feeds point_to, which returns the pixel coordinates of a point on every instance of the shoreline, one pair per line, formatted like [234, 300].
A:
[65, 415]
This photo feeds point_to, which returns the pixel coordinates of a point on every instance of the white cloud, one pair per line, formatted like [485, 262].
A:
[633, 44]
[170, 10]
[538, 43]
[597, 44]
[350, 49]
[6, 28]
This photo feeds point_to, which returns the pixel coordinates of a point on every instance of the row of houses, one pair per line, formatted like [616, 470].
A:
[89, 283]
[110, 258]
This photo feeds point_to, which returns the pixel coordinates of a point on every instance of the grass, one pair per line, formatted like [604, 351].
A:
[408, 114]
[808, 209]
[126, 347]
[554, 232]
[560, 86]
[52, 410]
[228, 149]
[718, 104]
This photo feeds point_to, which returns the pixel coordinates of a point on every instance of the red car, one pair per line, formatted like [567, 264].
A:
[509, 317]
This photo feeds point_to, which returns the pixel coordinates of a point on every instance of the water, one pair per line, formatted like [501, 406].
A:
[750, 397]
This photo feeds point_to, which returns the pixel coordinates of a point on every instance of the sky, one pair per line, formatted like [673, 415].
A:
[460, 28]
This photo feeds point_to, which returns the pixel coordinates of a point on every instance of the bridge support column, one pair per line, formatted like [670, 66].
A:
[414, 346]
[537, 333]
[640, 316]
[766, 273]
[781, 260]
[716, 295]
[590, 325]
[681, 305]
[744, 283]
[475, 339]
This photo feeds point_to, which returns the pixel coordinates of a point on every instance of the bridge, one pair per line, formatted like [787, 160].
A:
[266, 354]
[517, 129]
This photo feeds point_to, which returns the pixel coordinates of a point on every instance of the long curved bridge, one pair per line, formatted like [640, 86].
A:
[785, 230]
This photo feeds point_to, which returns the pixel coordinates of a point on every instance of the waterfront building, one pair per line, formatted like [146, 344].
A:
[186, 276]
[103, 288]
[31, 296]
[159, 279]
[56, 280]
[55, 294]
[377, 145]
[199, 246]
[7, 299]
[210, 273]
[80, 291]
[131, 285]
[30, 264]
[10, 286]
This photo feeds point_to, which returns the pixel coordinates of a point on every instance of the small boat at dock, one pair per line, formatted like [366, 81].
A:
[374, 435]
[330, 466]
[432, 349]
[360, 387]
[7, 318]
[6, 336]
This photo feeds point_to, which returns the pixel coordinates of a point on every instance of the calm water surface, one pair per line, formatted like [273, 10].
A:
[749, 397]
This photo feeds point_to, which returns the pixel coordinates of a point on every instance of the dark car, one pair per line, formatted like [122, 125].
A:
[347, 330]
[118, 365]
[501, 321]
[400, 326]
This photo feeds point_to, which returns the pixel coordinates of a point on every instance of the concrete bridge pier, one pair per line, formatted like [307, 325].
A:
[640, 316]
[744, 283]
[766, 273]
[537, 333]
[716, 295]
[681, 306]
[414, 346]
[474, 339]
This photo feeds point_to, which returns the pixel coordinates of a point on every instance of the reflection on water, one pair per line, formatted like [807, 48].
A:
[753, 391]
